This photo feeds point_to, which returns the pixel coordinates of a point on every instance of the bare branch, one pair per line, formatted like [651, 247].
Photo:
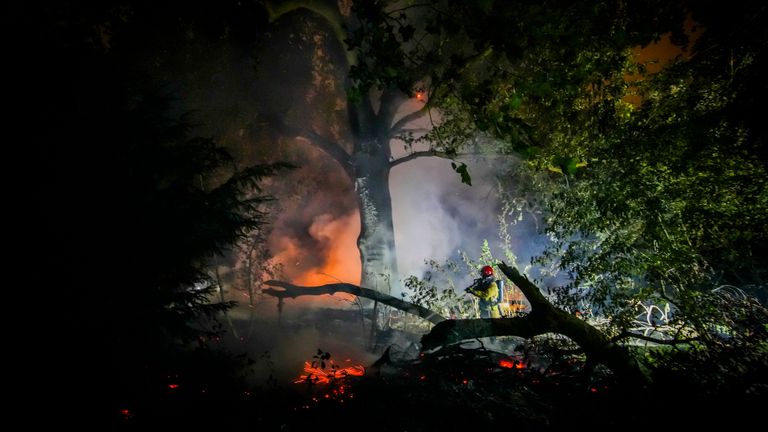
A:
[626, 335]
[530, 291]
[418, 154]
[293, 291]
[329, 147]
[400, 124]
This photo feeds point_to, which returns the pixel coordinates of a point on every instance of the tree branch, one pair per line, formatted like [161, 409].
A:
[544, 318]
[293, 291]
[329, 147]
[418, 154]
[531, 292]
[400, 124]
[452, 331]
[626, 334]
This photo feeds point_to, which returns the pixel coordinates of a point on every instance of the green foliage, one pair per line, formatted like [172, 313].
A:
[668, 190]
[674, 196]
[646, 206]
[380, 41]
[425, 293]
[473, 265]
[184, 203]
[526, 71]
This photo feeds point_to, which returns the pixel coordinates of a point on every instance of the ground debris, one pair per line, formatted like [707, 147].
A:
[464, 383]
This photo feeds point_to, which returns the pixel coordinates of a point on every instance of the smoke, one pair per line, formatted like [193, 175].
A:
[435, 215]
[318, 249]
[279, 347]
[314, 234]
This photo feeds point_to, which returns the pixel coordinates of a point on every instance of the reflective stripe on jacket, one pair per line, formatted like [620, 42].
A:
[487, 293]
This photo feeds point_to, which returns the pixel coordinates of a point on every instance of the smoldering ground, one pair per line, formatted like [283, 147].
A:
[279, 343]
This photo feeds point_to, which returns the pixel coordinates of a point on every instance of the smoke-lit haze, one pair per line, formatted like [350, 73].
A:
[296, 79]
[314, 232]
[293, 75]
[435, 214]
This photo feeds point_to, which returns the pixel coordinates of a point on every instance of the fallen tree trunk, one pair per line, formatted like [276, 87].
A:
[543, 318]
[293, 291]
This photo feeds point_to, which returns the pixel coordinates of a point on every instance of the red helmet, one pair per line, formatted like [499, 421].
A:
[486, 271]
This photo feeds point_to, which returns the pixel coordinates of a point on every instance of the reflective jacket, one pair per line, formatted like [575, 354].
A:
[486, 291]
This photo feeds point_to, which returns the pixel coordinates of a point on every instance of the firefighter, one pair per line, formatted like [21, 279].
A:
[487, 292]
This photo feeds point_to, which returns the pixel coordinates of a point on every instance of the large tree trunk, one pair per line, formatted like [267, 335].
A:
[371, 123]
[372, 164]
[376, 240]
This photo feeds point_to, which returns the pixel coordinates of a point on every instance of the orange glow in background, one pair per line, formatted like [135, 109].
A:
[654, 56]
[341, 262]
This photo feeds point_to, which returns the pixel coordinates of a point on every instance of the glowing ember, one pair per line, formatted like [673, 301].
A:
[511, 364]
[323, 376]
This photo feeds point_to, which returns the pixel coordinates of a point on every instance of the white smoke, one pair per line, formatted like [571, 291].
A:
[435, 215]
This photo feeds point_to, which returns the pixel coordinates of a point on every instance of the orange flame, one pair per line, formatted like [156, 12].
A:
[323, 376]
[511, 364]
[342, 262]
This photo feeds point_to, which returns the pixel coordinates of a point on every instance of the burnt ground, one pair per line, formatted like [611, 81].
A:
[455, 387]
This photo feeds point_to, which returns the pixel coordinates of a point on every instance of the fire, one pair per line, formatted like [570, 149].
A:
[324, 376]
[511, 364]
[341, 259]
[420, 96]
